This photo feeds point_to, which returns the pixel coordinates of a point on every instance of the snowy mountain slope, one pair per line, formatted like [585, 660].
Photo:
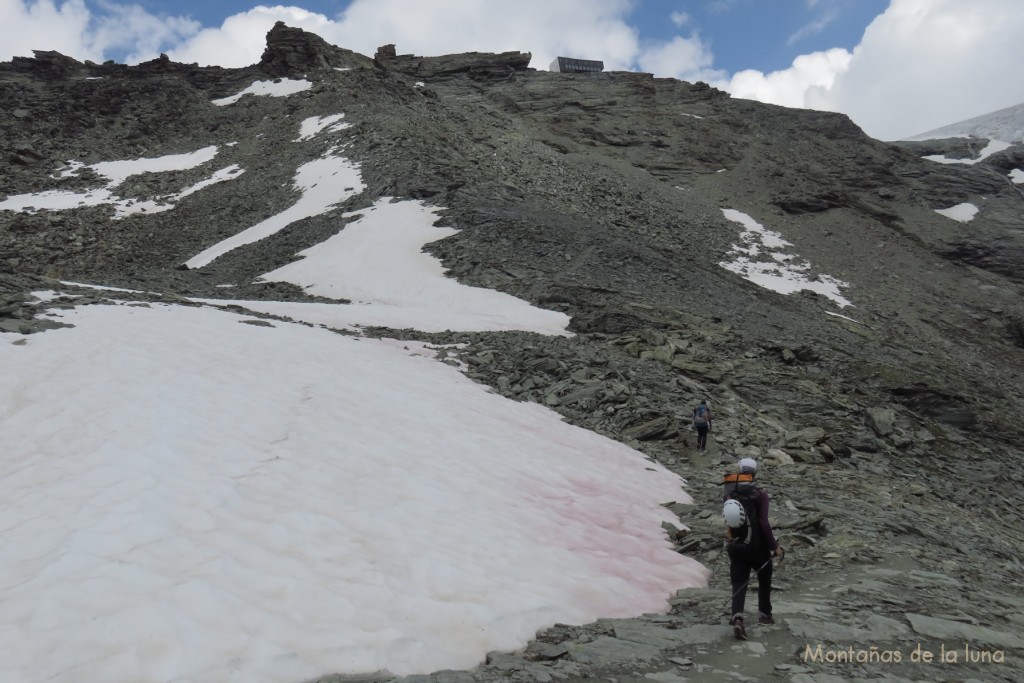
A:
[613, 248]
[222, 479]
[1005, 125]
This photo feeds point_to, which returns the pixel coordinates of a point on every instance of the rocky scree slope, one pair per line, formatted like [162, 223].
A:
[889, 437]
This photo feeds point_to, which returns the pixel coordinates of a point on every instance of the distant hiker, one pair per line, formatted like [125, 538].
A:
[702, 423]
[750, 543]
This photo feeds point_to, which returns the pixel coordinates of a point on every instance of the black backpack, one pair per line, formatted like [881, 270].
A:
[741, 487]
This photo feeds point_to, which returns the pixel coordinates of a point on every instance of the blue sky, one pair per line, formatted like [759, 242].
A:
[897, 68]
[744, 34]
[760, 34]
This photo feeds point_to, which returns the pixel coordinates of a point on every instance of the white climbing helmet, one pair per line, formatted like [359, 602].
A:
[748, 465]
[735, 515]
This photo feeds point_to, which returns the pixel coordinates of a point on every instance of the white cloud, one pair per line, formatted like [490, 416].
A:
[687, 59]
[816, 26]
[581, 28]
[241, 38]
[42, 25]
[137, 33]
[721, 6]
[73, 29]
[921, 64]
[927, 63]
[791, 87]
[679, 18]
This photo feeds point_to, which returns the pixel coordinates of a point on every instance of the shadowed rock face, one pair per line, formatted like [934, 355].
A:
[885, 435]
[292, 52]
[475, 65]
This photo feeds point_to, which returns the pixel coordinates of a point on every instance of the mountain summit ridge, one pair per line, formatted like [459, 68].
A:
[1006, 125]
[692, 240]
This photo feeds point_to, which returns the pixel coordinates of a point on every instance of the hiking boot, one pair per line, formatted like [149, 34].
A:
[763, 618]
[737, 628]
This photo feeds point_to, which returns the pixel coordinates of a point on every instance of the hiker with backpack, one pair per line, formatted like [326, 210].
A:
[750, 543]
[702, 423]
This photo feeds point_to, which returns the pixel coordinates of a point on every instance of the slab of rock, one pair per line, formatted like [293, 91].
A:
[934, 578]
[885, 628]
[808, 436]
[707, 372]
[606, 651]
[784, 607]
[828, 632]
[946, 629]
[659, 428]
[700, 634]
[779, 456]
[647, 634]
[666, 677]
[446, 676]
[881, 420]
[818, 678]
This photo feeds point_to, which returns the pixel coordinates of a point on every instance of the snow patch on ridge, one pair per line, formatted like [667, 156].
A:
[227, 173]
[377, 262]
[961, 212]
[315, 124]
[117, 172]
[775, 270]
[993, 147]
[324, 183]
[279, 88]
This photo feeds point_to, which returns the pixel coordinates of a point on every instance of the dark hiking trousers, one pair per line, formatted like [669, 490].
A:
[742, 561]
[702, 436]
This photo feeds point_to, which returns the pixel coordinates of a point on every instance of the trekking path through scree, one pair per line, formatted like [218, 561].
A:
[812, 640]
[805, 611]
[849, 605]
[867, 591]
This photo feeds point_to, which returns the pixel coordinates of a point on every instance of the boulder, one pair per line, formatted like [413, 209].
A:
[658, 429]
[880, 420]
[806, 437]
[779, 457]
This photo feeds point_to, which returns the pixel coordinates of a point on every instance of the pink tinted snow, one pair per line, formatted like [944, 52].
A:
[208, 500]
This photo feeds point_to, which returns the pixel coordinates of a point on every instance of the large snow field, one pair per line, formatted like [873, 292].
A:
[378, 263]
[190, 498]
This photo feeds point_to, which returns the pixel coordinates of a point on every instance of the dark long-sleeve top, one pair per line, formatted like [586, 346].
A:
[762, 513]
